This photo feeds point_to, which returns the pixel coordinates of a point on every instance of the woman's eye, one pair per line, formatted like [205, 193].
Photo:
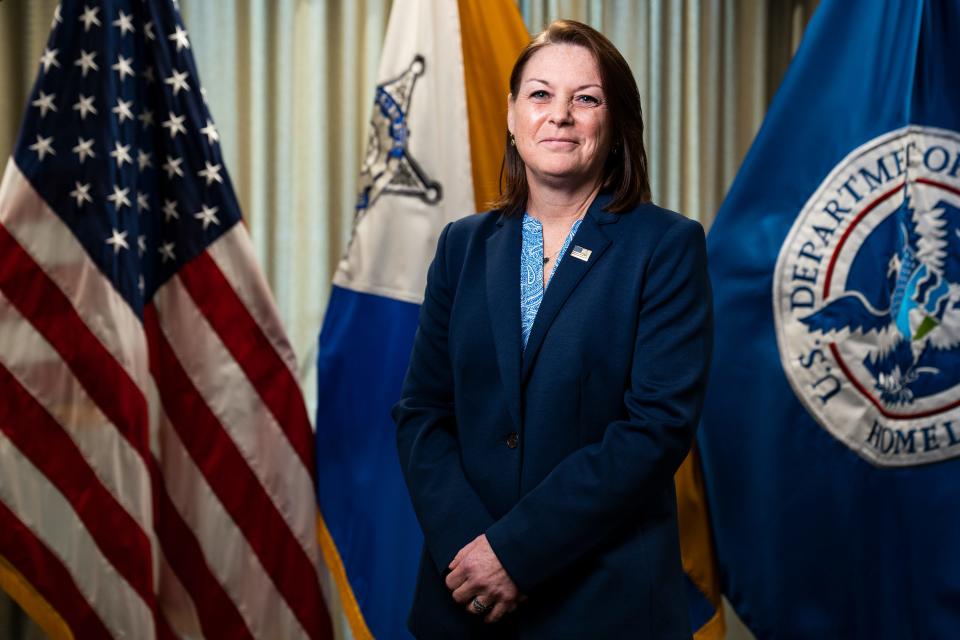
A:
[587, 99]
[539, 94]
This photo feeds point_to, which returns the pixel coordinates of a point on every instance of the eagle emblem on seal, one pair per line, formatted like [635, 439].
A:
[911, 313]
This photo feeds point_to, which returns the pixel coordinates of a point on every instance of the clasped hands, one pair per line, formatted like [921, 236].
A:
[480, 583]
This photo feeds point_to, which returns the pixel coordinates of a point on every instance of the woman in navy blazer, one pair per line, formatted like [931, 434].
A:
[557, 374]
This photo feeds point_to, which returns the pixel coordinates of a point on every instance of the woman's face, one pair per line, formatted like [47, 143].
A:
[559, 117]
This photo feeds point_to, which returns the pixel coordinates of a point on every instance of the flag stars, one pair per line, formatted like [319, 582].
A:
[172, 167]
[44, 103]
[175, 125]
[81, 193]
[119, 197]
[89, 17]
[57, 17]
[149, 75]
[85, 106]
[84, 149]
[178, 81]
[148, 30]
[124, 67]
[49, 59]
[85, 61]
[208, 216]
[146, 118]
[180, 37]
[170, 210]
[118, 240]
[121, 153]
[166, 251]
[141, 245]
[141, 285]
[211, 173]
[43, 146]
[142, 204]
[211, 132]
[123, 109]
[125, 22]
[144, 159]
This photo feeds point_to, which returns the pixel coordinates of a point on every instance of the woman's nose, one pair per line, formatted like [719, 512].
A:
[560, 112]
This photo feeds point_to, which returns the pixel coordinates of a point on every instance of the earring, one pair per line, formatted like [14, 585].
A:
[513, 141]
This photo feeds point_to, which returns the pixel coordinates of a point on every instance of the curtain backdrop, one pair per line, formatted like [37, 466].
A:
[290, 85]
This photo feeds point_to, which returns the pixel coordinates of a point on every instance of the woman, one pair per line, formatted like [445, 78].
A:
[557, 374]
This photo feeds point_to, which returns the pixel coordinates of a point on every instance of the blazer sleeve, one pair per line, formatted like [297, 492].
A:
[583, 500]
[450, 512]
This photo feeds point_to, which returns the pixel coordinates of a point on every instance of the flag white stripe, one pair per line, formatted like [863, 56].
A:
[229, 556]
[40, 370]
[234, 256]
[46, 512]
[236, 404]
[57, 251]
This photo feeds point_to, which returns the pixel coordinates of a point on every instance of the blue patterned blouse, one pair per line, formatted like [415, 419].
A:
[531, 271]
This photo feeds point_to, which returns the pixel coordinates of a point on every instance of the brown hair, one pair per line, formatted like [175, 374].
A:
[625, 171]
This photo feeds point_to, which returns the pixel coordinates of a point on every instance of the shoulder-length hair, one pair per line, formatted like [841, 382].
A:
[625, 171]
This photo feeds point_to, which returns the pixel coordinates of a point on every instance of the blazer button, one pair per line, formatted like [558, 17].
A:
[513, 439]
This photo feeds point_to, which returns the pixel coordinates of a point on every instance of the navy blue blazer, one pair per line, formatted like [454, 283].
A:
[563, 454]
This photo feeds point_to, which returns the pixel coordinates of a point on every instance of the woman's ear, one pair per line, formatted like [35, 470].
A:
[510, 116]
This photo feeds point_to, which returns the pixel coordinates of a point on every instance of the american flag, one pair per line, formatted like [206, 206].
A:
[156, 459]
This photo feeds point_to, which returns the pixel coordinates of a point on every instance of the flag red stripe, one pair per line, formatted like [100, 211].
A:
[40, 301]
[253, 351]
[217, 613]
[236, 486]
[48, 576]
[44, 442]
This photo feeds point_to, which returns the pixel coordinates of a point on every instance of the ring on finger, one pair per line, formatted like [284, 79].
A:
[479, 606]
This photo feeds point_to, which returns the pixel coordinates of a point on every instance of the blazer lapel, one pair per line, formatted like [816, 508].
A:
[503, 304]
[568, 275]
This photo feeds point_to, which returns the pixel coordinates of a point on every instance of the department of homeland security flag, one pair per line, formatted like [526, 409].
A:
[832, 429]
[156, 460]
[435, 142]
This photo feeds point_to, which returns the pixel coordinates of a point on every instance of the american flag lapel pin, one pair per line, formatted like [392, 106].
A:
[580, 253]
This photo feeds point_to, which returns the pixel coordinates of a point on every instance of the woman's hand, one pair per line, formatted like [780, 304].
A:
[479, 581]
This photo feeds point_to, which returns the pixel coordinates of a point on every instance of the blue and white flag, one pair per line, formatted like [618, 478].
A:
[436, 136]
[831, 435]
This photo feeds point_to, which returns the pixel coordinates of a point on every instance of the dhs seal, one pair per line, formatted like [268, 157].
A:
[866, 299]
